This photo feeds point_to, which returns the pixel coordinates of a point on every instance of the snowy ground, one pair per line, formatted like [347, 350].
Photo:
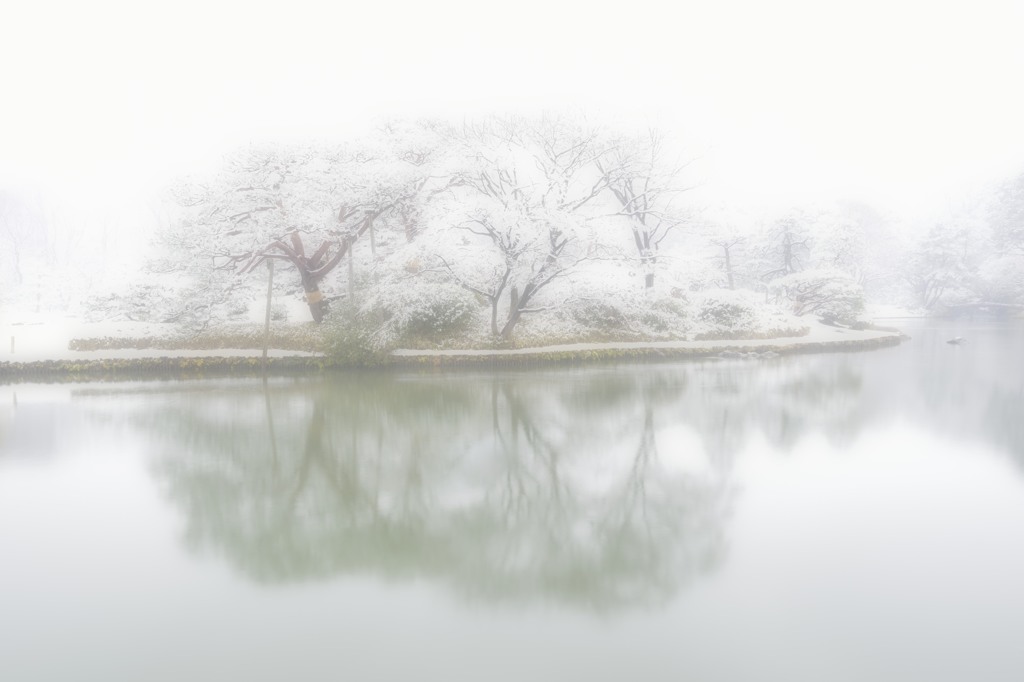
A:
[890, 311]
[819, 333]
[42, 337]
[46, 338]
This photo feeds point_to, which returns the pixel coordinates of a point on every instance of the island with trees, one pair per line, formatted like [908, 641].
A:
[504, 234]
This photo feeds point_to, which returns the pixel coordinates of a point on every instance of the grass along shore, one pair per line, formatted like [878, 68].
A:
[155, 361]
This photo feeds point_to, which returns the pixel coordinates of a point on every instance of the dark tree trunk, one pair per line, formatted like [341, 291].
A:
[515, 306]
[510, 325]
[318, 305]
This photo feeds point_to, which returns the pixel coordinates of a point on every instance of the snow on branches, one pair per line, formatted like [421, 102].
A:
[516, 216]
[305, 205]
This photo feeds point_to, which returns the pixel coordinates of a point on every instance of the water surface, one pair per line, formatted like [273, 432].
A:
[827, 517]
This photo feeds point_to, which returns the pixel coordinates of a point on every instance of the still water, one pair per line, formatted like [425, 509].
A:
[852, 516]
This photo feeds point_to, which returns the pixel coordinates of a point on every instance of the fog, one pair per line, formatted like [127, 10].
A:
[376, 194]
[909, 106]
[903, 116]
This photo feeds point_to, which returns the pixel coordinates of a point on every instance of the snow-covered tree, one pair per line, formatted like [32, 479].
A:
[945, 263]
[646, 183]
[729, 234]
[515, 218]
[52, 250]
[304, 205]
[19, 235]
[839, 245]
[783, 246]
[827, 293]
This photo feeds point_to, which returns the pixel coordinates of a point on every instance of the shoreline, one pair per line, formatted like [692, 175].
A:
[234, 363]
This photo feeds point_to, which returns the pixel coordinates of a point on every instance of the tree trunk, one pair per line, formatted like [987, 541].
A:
[351, 280]
[318, 306]
[728, 268]
[648, 261]
[513, 314]
[510, 325]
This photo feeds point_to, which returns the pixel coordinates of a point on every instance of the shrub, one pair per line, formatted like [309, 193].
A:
[436, 312]
[724, 310]
[425, 315]
[348, 336]
[629, 315]
[279, 312]
[599, 315]
[830, 295]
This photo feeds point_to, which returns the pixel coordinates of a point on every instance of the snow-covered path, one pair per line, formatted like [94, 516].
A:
[819, 334]
[48, 339]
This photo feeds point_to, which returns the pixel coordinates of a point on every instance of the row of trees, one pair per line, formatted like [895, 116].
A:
[494, 221]
[820, 260]
[47, 248]
[975, 258]
[526, 216]
[502, 209]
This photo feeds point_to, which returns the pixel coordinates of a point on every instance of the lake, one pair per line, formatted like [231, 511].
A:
[833, 517]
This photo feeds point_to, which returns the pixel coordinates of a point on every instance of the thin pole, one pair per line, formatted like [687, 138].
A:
[266, 319]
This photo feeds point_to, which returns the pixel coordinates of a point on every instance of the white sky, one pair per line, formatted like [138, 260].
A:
[904, 104]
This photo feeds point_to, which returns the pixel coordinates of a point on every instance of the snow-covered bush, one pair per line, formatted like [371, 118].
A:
[828, 294]
[741, 314]
[348, 334]
[602, 301]
[724, 310]
[637, 315]
[402, 313]
[279, 312]
[420, 312]
[599, 314]
[665, 314]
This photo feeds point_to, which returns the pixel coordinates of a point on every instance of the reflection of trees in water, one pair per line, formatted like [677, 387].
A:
[500, 487]
[781, 400]
[585, 506]
[973, 392]
[568, 486]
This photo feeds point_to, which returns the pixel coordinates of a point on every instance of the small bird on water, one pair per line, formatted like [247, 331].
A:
[957, 340]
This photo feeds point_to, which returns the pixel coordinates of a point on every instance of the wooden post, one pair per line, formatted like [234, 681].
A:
[12, 344]
[266, 319]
